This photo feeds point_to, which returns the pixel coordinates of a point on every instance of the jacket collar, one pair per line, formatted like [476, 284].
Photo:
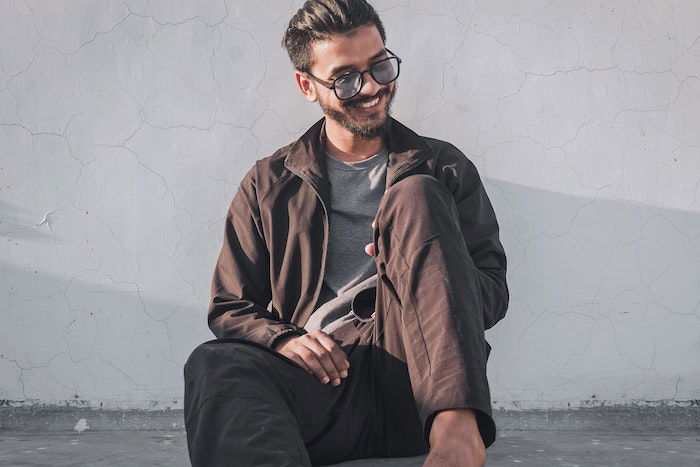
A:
[306, 156]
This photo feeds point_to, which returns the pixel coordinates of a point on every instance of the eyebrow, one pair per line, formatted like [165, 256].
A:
[339, 69]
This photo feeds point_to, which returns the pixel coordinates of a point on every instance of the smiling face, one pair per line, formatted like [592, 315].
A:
[366, 115]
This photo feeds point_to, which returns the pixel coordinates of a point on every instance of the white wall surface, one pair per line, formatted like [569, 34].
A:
[125, 127]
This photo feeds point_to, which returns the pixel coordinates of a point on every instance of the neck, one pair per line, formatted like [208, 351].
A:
[341, 144]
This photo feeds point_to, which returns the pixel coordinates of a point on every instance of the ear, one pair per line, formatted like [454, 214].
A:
[307, 87]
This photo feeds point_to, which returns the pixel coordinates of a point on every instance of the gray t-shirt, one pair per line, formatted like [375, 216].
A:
[356, 190]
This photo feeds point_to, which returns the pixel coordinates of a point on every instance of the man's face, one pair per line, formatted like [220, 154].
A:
[356, 52]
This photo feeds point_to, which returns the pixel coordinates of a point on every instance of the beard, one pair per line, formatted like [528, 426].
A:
[366, 130]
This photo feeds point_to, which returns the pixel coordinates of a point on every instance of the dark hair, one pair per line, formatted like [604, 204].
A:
[319, 19]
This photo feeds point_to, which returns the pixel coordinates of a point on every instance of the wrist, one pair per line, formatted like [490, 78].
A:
[283, 339]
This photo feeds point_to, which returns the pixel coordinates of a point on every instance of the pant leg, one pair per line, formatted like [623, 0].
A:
[236, 412]
[250, 406]
[427, 314]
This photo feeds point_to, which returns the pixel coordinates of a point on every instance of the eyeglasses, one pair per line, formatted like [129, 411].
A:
[348, 85]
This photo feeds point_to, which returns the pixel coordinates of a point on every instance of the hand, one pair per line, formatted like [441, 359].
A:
[318, 354]
[369, 248]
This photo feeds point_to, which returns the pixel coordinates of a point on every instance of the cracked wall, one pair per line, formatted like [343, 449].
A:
[125, 127]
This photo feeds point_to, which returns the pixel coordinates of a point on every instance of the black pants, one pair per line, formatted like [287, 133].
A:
[416, 346]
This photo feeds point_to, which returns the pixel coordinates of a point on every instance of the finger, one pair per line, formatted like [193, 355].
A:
[291, 354]
[369, 249]
[309, 357]
[337, 355]
[324, 356]
[301, 362]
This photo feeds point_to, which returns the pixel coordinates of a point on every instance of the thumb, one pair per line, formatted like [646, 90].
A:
[369, 249]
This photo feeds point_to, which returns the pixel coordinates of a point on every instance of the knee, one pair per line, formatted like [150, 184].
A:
[419, 195]
[417, 183]
[199, 358]
[211, 358]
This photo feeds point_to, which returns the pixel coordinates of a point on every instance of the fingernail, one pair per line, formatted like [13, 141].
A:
[347, 364]
[325, 379]
[344, 374]
[336, 381]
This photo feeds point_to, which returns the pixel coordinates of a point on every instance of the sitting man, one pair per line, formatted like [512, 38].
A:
[329, 348]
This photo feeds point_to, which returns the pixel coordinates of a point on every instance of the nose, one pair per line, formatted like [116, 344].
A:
[369, 86]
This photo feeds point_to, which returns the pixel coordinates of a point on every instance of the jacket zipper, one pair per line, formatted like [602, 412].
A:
[325, 236]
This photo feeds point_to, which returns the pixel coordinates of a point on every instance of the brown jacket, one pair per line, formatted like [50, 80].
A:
[276, 234]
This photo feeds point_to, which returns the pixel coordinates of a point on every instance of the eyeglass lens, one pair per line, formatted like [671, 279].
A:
[383, 72]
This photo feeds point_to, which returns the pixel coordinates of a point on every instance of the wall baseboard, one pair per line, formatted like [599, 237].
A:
[43, 418]
[602, 419]
[48, 418]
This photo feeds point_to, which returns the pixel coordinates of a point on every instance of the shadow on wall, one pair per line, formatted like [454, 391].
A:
[604, 300]
[88, 341]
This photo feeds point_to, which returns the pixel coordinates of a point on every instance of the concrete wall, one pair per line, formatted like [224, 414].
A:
[125, 127]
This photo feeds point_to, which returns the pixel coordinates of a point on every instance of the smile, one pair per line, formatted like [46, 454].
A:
[369, 107]
[369, 104]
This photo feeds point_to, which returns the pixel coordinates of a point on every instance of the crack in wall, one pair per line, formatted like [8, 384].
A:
[140, 127]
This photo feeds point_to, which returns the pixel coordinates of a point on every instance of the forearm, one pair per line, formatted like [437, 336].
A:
[250, 322]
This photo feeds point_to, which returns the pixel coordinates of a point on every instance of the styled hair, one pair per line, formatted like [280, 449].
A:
[319, 19]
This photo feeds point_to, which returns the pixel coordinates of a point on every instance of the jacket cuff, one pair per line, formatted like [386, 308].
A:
[286, 331]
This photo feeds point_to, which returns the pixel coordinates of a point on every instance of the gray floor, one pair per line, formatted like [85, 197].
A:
[523, 448]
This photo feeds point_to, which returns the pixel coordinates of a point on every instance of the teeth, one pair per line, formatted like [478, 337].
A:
[369, 104]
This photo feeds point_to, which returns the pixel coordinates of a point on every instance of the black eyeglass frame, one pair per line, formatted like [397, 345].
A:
[331, 84]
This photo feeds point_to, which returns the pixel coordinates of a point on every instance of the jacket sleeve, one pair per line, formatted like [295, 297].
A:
[480, 231]
[240, 289]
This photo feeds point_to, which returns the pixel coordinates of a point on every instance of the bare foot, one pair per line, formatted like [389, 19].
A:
[455, 440]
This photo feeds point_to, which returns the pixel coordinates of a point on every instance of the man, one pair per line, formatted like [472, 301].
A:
[367, 353]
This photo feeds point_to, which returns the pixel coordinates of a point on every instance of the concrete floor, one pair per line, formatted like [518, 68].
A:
[523, 448]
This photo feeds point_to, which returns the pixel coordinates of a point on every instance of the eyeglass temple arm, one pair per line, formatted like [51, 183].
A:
[392, 53]
[319, 80]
